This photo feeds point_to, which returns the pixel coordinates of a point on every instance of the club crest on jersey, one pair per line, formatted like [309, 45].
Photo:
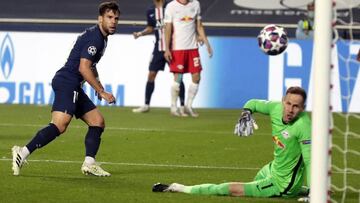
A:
[180, 67]
[92, 50]
[285, 134]
[278, 142]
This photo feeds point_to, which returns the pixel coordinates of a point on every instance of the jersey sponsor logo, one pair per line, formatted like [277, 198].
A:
[92, 50]
[278, 142]
[186, 19]
[306, 142]
[285, 134]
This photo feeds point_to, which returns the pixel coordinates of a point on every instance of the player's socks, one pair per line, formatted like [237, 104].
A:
[43, 137]
[89, 160]
[24, 152]
[193, 89]
[175, 89]
[148, 91]
[208, 189]
[92, 140]
[182, 94]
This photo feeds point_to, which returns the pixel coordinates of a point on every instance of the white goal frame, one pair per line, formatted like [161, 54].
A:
[321, 102]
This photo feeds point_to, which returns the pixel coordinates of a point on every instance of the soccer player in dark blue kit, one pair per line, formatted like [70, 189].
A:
[155, 22]
[70, 98]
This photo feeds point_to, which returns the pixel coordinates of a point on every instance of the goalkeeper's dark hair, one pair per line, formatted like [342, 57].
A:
[297, 90]
[109, 5]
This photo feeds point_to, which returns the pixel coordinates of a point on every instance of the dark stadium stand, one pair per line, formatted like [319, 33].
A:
[221, 17]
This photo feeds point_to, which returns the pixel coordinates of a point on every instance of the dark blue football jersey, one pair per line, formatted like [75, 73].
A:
[155, 19]
[91, 45]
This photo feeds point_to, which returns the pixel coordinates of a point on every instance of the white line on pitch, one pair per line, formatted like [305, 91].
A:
[125, 129]
[143, 164]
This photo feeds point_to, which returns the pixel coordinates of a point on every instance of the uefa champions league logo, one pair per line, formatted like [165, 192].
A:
[7, 57]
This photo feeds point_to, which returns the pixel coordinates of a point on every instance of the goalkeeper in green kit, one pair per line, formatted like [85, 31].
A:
[291, 134]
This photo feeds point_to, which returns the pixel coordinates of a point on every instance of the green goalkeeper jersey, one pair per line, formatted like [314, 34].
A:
[291, 144]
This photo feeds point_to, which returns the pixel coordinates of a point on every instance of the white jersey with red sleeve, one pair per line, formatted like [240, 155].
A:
[183, 18]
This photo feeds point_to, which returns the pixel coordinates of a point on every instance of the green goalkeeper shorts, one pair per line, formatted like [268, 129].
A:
[263, 185]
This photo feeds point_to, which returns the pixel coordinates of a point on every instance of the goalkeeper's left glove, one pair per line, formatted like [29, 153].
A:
[246, 124]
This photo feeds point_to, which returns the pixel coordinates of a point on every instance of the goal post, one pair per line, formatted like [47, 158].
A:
[321, 102]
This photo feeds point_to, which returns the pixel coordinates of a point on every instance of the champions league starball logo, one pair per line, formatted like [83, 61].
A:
[7, 58]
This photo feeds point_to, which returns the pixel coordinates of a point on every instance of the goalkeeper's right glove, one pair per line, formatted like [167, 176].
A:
[246, 124]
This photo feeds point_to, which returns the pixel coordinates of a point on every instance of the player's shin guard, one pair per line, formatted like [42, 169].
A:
[209, 189]
[193, 89]
[148, 91]
[92, 140]
[175, 89]
[43, 137]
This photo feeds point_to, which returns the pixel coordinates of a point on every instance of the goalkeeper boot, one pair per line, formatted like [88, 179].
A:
[159, 187]
[174, 187]
[142, 109]
[94, 169]
[18, 160]
[191, 112]
[182, 112]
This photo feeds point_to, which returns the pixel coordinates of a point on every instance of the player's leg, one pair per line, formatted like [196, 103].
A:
[182, 111]
[177, 68]
[157, 63]
[62, 110]
[175, 89]
[195, 70]
[96, 125]
[202, 189]
[149, 89]
[192, 92]
[43, 137]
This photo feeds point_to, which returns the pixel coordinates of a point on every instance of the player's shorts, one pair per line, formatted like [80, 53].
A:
[263, 185]
[70, 99]
[158, 61]
[185, 61]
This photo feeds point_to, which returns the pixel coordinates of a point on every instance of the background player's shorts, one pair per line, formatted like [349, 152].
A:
[185, 61]
[157, 62]
[71, 99]
[263, 185]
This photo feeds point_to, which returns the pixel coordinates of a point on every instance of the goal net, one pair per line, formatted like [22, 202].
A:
[345, 134]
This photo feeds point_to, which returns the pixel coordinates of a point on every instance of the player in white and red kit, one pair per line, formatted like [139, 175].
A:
[183, 32]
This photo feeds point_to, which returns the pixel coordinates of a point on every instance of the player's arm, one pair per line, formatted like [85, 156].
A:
[260, 106]
[202, 38]
[148, 30]
[86, 71]
[305, 145]
[168, 32]
[246, 123]
[358, 56]
[168, 19]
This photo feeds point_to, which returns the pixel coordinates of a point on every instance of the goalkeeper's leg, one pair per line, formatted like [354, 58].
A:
[203, 189]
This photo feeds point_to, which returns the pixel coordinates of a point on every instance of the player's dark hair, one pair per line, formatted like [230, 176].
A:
[297, 90]
[109, 5]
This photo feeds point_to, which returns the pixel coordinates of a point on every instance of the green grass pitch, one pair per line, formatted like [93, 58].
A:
[140, 150]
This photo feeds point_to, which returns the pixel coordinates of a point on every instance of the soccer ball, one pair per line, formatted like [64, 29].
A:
[273, 39]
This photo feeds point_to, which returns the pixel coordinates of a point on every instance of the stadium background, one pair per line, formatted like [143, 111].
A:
[36, 37]
[140, 150]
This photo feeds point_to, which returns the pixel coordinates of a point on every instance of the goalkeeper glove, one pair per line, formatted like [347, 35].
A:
[246, 124]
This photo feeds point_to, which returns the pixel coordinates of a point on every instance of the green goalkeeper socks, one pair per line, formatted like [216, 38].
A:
[208, 189]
